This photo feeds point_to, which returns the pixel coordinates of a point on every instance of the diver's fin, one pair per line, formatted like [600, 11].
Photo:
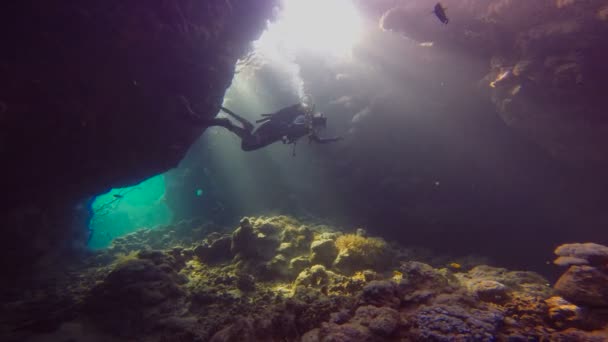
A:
[246, 124]
[262, 120]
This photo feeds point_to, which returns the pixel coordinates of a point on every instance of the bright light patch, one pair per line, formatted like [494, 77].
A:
[123, 211]
[330, 27]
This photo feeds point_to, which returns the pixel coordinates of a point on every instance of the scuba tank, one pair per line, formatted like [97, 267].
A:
[306, 106]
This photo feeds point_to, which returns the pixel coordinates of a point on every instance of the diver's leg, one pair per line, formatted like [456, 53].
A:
[266, 134]
[226, 123]
[246, 124]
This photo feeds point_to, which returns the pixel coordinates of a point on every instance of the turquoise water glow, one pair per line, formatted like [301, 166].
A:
[122, 211]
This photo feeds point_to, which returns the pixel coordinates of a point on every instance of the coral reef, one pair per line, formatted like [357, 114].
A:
[276, 279]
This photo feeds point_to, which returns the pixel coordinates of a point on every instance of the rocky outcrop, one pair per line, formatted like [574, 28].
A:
[581, 254]
[545, 68]
[584, 283]
[104, 94]
[178, 294]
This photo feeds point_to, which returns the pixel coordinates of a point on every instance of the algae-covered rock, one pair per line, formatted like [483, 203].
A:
[243, 240]
[323, 252]
[258, 242]
[316, 276]
[319, 278]
[418, 275]
[278, 266]
[296, 265]
[584, 285]
[286, 248]
[250, 297]
[356, 253]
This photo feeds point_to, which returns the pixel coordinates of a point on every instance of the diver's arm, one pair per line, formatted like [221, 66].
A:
[314, 137]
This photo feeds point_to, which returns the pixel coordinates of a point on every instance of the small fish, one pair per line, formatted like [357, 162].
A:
[397, 276]
[119, 196]
[500, 78]
[455, 265]
[439, 11]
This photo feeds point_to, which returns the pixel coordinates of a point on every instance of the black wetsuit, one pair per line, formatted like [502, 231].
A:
[287, 125]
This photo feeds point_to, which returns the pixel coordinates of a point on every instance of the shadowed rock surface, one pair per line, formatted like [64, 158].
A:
[546, 78]
[92, 98]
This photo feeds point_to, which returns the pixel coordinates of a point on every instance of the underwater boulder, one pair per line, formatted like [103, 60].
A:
[297, 264]
[420, 282]
[245, 282]
[381, 293]
[255, 242]
[299, 238]
[134, 297]
[217, 251]
[514, 280]
[243, 240]
[317, 277]
[488, 290]
[286, 248]
[357, 253]
[323, 252]
[581, 254]
[584, 285]
[278, 267]
[417, 274]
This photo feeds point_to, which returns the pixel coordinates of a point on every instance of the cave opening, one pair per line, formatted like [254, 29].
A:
[121, 211]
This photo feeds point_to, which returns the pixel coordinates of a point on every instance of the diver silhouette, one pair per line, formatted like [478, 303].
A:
[287, 125]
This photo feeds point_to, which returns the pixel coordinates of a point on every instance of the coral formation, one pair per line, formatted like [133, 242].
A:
[276, 279]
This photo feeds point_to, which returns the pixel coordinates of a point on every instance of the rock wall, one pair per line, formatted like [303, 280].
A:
[545, 59]
[95, 95]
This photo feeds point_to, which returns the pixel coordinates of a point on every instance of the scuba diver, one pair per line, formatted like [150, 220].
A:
[287, 125]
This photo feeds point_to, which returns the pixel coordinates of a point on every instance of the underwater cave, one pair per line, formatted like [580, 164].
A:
[304, 170]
